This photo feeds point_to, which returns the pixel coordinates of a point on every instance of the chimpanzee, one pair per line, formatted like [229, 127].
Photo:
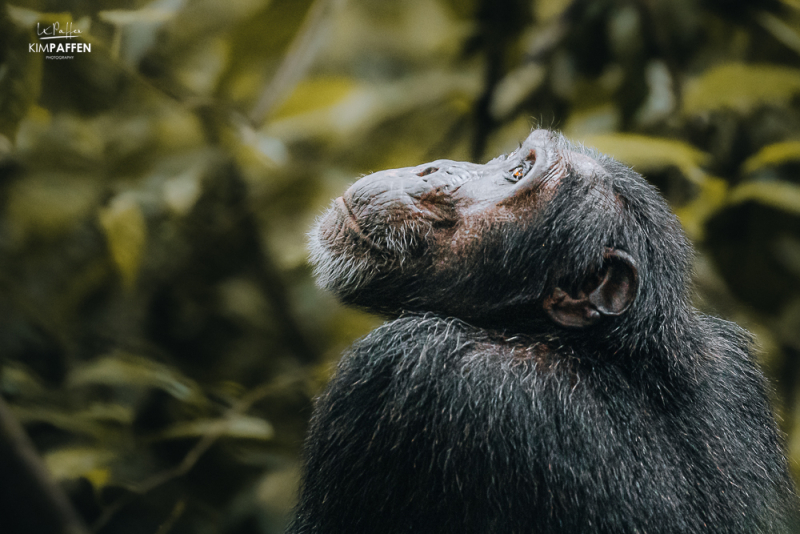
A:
[545, 371]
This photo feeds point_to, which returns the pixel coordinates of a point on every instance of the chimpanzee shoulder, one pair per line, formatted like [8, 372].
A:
[426, 408]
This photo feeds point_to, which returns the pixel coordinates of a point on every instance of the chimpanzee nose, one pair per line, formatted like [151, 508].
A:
[397, 188]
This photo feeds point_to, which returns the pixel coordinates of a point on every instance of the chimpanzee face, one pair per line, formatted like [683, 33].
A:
[534, 230]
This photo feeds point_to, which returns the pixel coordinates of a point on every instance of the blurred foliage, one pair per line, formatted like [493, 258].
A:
[161, 338]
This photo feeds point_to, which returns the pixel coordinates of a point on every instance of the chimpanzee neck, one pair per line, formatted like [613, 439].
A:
[663, 339]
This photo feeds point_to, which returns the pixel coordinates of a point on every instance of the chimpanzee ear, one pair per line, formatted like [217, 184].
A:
[611, 294]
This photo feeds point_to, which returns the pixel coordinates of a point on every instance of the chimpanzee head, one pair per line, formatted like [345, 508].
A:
[552, 234]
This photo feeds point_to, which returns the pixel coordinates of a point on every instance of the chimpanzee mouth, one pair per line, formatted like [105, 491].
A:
[341, 223]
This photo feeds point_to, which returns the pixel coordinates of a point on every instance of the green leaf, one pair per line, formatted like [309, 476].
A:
[71, 463]
[773, 155]
[780, 30]
[344, 116]
[549, 9]
[122, 17]
[237, 426]
[693, 216]
[741, 87]
[182, 191]
[129, 370]
[592, 121]
[781, 195]
[100, 421]
[18, 381]
[315, 93]
[652, 153]
[126, 233]
[76, 423]
[515, 87]
[48, 205]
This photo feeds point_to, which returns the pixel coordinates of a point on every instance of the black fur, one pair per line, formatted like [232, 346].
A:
[653, 421]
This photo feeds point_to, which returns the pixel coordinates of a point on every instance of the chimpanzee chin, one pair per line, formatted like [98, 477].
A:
[544, 370]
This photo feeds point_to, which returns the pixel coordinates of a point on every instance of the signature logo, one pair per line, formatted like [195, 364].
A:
[56, 31]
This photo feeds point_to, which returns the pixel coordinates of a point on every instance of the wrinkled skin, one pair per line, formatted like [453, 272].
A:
[399, 240]
[410, 228]
[545, 372]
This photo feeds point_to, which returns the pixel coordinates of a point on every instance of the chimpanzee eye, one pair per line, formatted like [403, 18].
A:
[517, 173]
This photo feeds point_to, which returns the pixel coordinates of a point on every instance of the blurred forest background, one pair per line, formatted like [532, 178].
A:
[161, 338]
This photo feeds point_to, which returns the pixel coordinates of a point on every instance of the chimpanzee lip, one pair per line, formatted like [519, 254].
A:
[350, 222]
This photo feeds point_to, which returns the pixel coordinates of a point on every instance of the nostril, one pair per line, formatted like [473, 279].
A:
[428, 171]
[531, 156]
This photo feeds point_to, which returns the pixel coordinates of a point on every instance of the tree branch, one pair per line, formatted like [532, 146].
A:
[30, 500]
